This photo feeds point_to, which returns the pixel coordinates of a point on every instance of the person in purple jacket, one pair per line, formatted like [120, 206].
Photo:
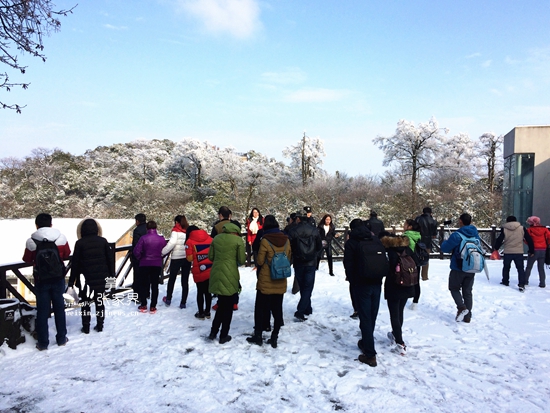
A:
[149, 253]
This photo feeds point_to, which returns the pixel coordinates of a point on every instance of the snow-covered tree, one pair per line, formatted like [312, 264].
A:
[489, 148]
[24, 23]
[306, 157]
[415, 149]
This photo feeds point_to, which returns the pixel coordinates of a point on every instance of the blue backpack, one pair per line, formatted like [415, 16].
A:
[471, 254]
[280, 265]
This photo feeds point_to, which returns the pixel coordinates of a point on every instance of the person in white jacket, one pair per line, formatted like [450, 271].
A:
[178, 261]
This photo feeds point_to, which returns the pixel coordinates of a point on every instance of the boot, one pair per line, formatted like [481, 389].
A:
[85, 328]
[273, 340]
[255, 339]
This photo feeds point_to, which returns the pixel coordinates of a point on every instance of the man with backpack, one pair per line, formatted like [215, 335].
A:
[460, 281]
[305, 243]
[46, 250]
[366, 264]
[428, 231]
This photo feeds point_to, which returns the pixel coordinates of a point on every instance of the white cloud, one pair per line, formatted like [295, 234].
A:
[317, 95]
[486, 63]
[289, 76]
[240, 18]
[471, 56]
[111, 27]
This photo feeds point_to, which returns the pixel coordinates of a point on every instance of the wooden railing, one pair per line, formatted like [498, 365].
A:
[12, 272]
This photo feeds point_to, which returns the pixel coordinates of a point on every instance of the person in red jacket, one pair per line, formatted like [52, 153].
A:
[541, 239]
[49, 290]
[197, 247]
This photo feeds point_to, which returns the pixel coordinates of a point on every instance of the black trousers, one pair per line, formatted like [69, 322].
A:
[151, 278]
[396, 307]
[265, 305]
[224, 315]
[204, 298]
[175, 266]
[98, 297]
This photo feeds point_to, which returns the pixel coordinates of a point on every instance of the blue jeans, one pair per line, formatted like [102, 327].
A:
[507, 264]
[367, 300]
[50, 295]
[306, 281]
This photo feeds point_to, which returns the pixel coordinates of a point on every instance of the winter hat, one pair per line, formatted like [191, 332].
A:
[533, 221]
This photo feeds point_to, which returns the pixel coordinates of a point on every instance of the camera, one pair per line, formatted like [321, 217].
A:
[448, 222]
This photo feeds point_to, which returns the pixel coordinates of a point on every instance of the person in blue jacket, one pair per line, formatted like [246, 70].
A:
[460, 282]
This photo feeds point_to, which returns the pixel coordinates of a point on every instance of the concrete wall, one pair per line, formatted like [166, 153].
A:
[534, 139]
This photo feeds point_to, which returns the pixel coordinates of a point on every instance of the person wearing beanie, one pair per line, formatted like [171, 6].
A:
[541, 239]
[92, 263]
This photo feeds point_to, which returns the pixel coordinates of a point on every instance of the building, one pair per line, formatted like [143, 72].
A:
[526, 189]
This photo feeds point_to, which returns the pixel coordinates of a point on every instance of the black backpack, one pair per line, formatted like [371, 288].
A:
[421, 253]
[306, 248]
[48, 263]
[373, 259]
[406, 271]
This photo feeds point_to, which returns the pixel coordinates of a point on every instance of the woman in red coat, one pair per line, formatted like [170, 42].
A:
[541, 238]
[197, 247]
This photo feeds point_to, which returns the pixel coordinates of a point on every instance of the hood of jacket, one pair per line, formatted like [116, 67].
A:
[231, 228]
[178, 228]
[414, 235]
[395, 241]
[199, 235]
[49, 233]
[360, 233]
[278, 239]
[512, 226]
[87, 227]
[468, 231]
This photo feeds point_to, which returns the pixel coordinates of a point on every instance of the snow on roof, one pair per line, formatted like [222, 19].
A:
[17, 231]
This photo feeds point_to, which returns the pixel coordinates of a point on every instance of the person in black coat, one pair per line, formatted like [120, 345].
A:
[396, 295]
[306, 244]
[428, 231]
[327, 231]
[92, 263]
[138, 285]
[365, 283]
[375, 224]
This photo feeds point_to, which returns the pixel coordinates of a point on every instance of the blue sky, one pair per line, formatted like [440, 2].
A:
[257, 74]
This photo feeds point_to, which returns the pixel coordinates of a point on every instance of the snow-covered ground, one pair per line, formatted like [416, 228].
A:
[162, 362]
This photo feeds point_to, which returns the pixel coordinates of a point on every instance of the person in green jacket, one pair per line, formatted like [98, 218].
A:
[412, 232]
[227, 252]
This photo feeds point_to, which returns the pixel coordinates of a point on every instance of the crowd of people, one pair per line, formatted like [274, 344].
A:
[372, 256]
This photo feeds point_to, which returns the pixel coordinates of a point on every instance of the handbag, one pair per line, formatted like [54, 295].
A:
[495, 255]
